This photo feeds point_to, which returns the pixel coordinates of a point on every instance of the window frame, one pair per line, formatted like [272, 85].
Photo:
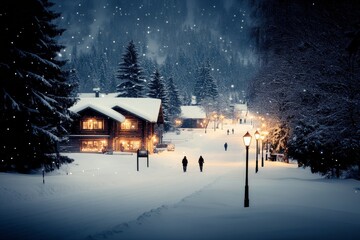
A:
[129, 125]
[96, 122]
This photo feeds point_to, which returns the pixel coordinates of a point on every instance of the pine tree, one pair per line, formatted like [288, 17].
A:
[158, 89]
[34, 90]
[314, 82]
[211, 91]
[199, 85]
[130, 74]
[174, 101]
[206, 90]
[74, 81]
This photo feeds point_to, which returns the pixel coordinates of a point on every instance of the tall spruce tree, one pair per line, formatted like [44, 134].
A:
[34, 90]
[206, 90]
[130, 74]
[157, 89]
[211, 91]
[174, 101]
[199, 85]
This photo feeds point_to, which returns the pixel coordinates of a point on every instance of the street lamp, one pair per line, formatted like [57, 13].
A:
[247, 141]
[262, 150]
[257, 136]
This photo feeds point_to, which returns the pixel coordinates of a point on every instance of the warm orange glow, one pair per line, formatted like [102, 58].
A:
[129, 125]
[91, 124]
[257, 135]
[93, 145]
[247, 139]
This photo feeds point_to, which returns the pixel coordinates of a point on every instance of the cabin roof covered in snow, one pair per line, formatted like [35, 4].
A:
[145, 108]
[192, 112]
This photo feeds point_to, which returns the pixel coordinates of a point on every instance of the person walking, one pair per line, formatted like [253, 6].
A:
[201, 163]
[232, 131]
[184, 163]
[225, 146]
[228, 132]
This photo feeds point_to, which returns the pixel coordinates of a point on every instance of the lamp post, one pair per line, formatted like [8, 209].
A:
[262, 150]
[257, 135]
[247, 141]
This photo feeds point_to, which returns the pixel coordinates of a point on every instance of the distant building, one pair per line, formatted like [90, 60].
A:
[108, 123]
[193, 117]
[240, 112]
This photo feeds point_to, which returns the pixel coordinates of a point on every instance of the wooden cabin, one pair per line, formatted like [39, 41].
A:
[107, 124]
[193, 117]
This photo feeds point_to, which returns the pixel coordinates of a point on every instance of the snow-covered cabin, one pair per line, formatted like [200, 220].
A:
[115, 124]
[193, 117]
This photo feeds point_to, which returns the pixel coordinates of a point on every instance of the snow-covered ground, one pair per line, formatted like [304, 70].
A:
[104, 197]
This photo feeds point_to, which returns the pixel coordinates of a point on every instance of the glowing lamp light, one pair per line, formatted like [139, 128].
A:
[257, 135]
[247, 139]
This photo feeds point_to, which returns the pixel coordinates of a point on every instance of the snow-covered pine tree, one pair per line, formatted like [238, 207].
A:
[174, 101]
[199, 87]
[313, 82]
[211, 92]
[206, 90]
[74, 81]
[34, 90]
[130, 74]
[157, 89]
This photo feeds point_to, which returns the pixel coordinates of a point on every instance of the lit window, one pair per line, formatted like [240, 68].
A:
[129, 145]
[92, 124]
[129, 125]
[93, 145]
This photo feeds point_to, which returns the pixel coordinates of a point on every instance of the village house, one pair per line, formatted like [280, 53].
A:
[192, 117]
[240, 112]
[107, 123]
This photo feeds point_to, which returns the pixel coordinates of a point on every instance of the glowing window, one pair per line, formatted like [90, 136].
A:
[129, 125]
[93, 145]
[129, 145]
[92, 124]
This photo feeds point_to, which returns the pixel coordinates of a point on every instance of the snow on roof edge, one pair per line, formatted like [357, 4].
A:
[106, 111]
[192, 112]
[145, 108]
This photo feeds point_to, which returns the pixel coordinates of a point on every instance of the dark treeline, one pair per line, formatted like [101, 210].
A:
[179, 36]
[309, 82]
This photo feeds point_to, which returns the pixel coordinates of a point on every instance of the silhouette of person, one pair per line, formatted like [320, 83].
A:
[225, 146]
[228, 132]
[232, 131]
[184, 163]
[201, 163]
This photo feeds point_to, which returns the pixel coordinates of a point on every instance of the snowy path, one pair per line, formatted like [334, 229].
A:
[216, 211]
[105, 198]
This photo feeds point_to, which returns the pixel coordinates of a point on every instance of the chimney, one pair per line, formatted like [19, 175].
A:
[97, 92]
